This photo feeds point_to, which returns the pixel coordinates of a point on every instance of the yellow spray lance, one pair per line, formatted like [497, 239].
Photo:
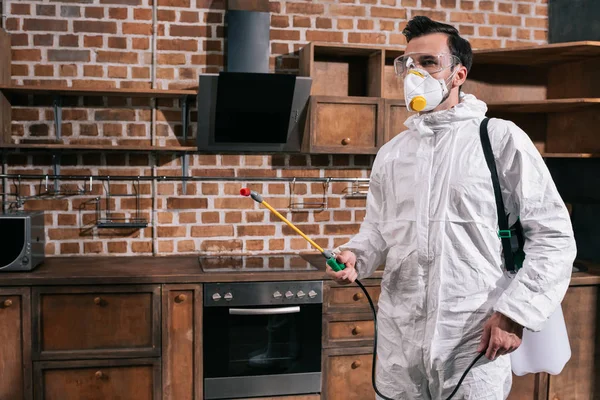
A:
[331, 261]
[336, 266]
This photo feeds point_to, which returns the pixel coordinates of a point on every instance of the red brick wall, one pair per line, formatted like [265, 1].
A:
[110, 44]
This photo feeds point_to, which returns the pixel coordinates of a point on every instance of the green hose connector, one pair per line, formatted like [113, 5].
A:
[335, 265]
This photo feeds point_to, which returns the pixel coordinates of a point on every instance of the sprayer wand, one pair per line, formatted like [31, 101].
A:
[331, 261]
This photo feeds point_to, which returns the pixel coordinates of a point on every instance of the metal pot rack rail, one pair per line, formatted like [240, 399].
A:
[357, 188]
[160, 178]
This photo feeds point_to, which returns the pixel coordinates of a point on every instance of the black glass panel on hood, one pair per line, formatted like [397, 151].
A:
[253, 107]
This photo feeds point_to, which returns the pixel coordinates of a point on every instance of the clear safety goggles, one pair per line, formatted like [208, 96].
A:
[432, 63]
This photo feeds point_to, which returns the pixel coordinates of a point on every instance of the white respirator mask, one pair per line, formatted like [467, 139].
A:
[423, 92]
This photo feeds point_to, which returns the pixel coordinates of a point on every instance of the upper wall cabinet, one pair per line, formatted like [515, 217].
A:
[346, 113]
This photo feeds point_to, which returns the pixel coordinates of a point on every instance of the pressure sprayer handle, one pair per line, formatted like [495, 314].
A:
[335, 265]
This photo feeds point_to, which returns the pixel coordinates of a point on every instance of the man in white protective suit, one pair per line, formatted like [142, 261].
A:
[431, 218]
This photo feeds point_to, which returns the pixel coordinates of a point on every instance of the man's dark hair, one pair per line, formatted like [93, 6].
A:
[461, 48]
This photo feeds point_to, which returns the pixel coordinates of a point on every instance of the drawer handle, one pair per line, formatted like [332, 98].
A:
[358, 296]
[180, 298]
[356, 330]
[100, 375]
[7, 303]
[346, 141]
[356, 364]
[98, 301]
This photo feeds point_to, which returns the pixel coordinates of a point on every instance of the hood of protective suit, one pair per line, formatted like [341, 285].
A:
[431, 218]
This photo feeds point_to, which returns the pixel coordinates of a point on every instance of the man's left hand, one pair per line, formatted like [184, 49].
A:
[501, 335]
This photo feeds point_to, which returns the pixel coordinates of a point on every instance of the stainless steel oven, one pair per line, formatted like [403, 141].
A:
[262, 339]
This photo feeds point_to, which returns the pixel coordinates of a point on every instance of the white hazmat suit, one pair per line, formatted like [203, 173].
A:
[431, 218]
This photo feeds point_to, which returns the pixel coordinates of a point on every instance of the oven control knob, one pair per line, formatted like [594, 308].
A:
[228, 296]
[289, 295]
[277, 295]
[300, 294]
[216, 297]
[312, 294]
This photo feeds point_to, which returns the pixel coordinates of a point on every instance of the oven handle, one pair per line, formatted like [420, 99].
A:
[264, 311]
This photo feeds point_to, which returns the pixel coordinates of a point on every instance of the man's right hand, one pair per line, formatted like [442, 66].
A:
[348, 274]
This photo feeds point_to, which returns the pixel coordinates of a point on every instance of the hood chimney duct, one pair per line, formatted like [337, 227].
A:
[248, 36]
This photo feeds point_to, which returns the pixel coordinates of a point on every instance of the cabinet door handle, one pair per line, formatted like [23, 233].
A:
[356, 364]
[356, 330]
[358, 296]
[100, 375]
[98, 301]
[7, 303]
[346, 141]
[180, 298]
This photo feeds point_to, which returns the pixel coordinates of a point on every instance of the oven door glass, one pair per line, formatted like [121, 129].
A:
[255, 341]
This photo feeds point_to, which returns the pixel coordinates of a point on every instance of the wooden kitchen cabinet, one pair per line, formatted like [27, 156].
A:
[135, 379]
[529, 387]
[580, 378]
[348, 332]
[15, 344]
[348, 374]
[182, 342]
[396, 114]
[349, 125]
[96, 322]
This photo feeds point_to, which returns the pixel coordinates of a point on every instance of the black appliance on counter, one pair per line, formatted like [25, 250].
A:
[262, 339]
[23, 239]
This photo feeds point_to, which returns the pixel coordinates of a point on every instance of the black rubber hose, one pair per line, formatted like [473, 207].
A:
[375, 352]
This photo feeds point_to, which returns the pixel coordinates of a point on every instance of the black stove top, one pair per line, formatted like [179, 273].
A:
[261, 263]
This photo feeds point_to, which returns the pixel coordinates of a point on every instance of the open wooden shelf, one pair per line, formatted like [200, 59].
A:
[543, 106]
[342, 70]
[66, 91]
[571, 155]
[78, 147]
[546, 55]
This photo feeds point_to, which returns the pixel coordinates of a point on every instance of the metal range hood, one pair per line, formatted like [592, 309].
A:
[247, 108]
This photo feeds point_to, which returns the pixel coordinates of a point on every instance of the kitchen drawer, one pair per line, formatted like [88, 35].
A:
[351, 297]
[349, 125]
[348, 374]
[343, 329]
[96, 322]
[137, 379]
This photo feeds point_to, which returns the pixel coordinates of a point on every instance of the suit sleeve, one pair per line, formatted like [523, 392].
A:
[540, 285]
[368, 244]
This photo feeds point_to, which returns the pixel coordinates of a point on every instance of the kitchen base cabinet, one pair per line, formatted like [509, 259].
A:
[348, 374]
[182, 342]
[80, 322]
[529, 387]
[15, 344]
[580, 379]
[137, 379]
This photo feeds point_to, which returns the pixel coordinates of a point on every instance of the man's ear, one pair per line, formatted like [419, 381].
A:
[460, 76]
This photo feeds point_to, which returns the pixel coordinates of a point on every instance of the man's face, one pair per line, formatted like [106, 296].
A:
[433, 44]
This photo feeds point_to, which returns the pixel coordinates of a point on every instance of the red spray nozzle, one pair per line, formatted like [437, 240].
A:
[245, 192]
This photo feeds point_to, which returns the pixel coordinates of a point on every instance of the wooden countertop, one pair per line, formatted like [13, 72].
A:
[182, 269]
